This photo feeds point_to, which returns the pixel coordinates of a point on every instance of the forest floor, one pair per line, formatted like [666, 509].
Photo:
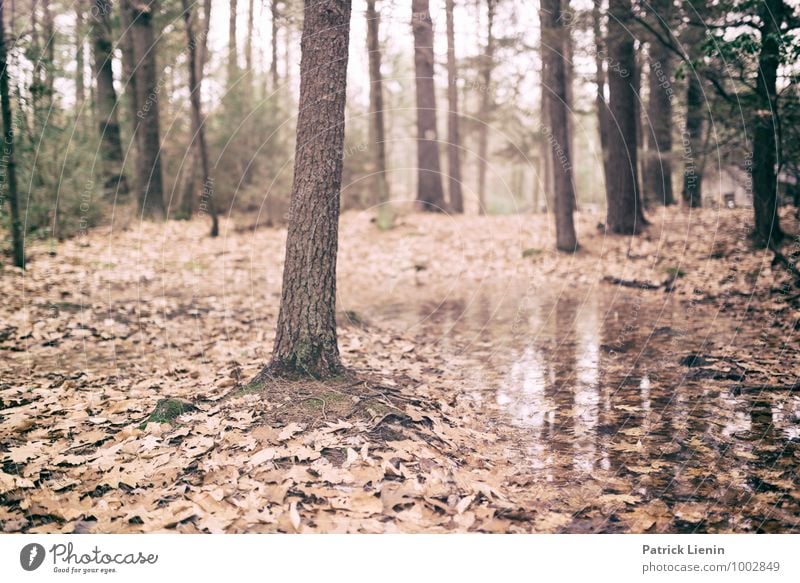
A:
[645, 384]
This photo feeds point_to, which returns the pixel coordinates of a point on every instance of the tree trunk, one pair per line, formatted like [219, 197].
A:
[80, 85]
[767, 231]
[453, 137]
[113, 176]
[377, 132]
[554, 51]
[487, 93]
[625, 214]
[658, 170]
[430, 195]
[273, 66]
[305, 341]
[207, 202]
[146, 123]
[9, 184]
[692, 132]
[248, 47]
[233, 67]
[600, 99]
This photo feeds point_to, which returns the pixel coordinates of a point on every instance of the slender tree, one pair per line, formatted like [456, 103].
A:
[692, 191]
[378, 135]
[273, 65]
[305, 341]
[8, 183]
[658, 166]
[206, 199]
[430, 194]
[113, 174]
[554, 57]
[487, 97]
[146, 122]
[80, 84]
[233, 66]
[624, 214]
[453, 133]
[603, 114]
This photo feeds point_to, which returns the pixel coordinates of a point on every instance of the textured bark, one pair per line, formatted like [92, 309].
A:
[554, 57]
[453, 133]
[377, 132]
[305, 341]
[658, 169]
[8, 184]
[767, 233]
[114, 181]
[273, 66]
[430, 195]
[485, 112]
[207, 202]
[146, 123]
[692, 132]
[248, 47]
[603, 114]
[625, 214]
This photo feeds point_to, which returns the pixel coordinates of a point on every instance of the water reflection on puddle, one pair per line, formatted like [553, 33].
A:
[592, 388]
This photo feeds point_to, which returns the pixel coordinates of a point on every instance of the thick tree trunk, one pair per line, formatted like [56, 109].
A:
[8, 183]
[207, 202]
[487, 94]
[305, 341]
[453, 137]
[430, 195]
[692, 130]
[556, 130]
[146, 123]
[113, 176]
[625, 214]
[658, 170]
[767, 232]
[377, 132]
[600, 98]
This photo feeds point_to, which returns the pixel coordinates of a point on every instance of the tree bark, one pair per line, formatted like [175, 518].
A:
[625, 214]
[692, 132]
[658, 169]
[430, 195]
[453, 137]
[487, 93]
[377, 131]
[554, 57]
[149, 179]
[603, 119]
[767, 232]
[80, 85]
[207, 202]
[305, 341]
[114, 181]
[8, 183]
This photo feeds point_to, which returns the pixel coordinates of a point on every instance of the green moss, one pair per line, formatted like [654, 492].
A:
[167, 411]
[675, 272]
[532, 252]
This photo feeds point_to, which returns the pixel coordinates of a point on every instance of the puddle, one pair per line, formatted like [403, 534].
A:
[591, 387]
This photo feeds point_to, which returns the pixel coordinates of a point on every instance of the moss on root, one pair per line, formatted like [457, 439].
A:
[167, 411]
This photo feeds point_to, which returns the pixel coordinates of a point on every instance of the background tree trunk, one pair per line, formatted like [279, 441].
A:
[377, 133]
[148, 160]
[554, 56]
[233, 67]
[658, 169]
[305, 342]
[767, 232]
[273, 66]
[10, 182]
[430, 194]
[453, 137]
[114, 181]
[487, 94]
[692, 192]
[207, 198]
[600, 82]
[80, 85]
[625, 214]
